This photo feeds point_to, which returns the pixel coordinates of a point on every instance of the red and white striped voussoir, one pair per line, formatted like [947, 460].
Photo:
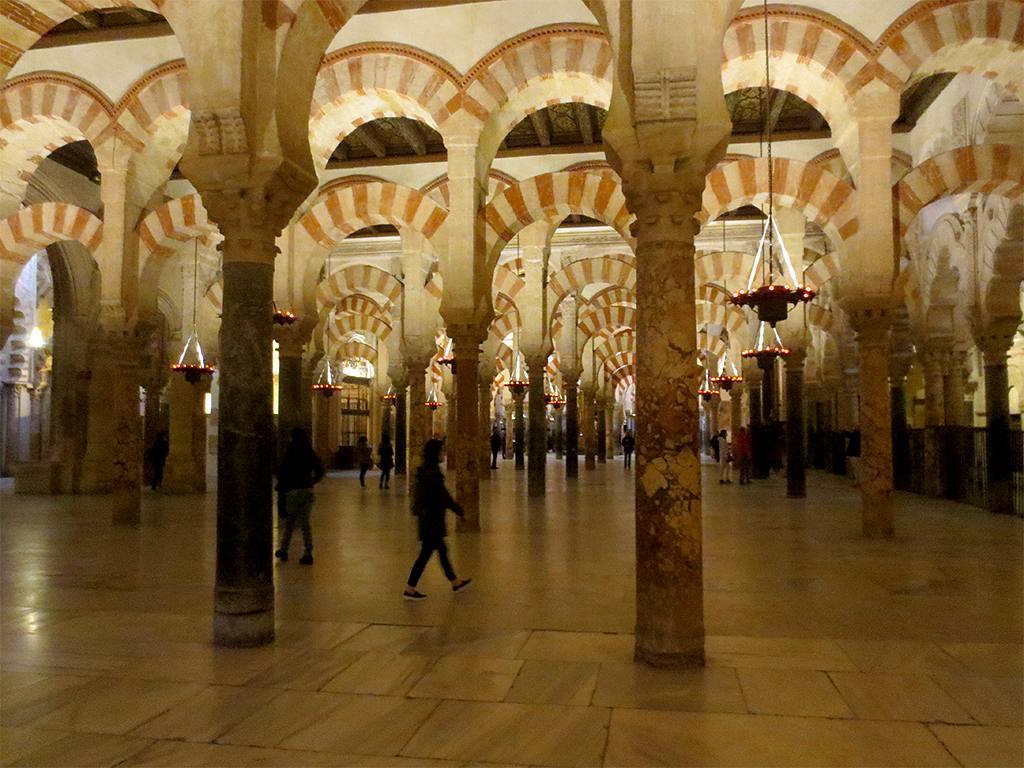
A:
[357, 278]
[166, 227]
[37, 226]
[611, 318]
[578, 274]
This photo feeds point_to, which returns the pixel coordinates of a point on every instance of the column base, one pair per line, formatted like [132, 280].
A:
[179, 477]
[243, 630]
[97, 477]
[38, 478]
[877, 522]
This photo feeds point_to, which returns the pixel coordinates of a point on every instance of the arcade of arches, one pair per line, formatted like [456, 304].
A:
[413, 200]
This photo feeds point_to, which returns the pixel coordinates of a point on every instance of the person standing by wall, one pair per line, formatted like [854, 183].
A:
[157, 455]
[724, 459]
[628, 446]
[497, 443]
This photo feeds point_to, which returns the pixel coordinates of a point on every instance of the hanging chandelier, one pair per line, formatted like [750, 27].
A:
[552, 396]
[192, 362]
[283, 316]
[724, 380]
[390, 396]
[772, 296]
[707, 389]
[768, 346]
[326, 383]
[447, 356]
[433, 402]
[519, 381]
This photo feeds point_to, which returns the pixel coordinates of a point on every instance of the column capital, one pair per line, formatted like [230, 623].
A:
[995, 340]
[871, 321]
[665, 203]
[292, 339]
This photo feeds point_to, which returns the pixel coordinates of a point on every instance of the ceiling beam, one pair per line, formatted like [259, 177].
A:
[581, 114]
[105, 34]
[539, 121]
[370, 137]
[87, 20]
[410, 131]
[135, 15]
[778, 101]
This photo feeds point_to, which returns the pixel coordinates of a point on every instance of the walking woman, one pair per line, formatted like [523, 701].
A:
[364, 457]
[386, 461]
[300, 470]
[430, 502]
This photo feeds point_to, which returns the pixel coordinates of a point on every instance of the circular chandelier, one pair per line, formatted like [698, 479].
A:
[432, 402]
[192, 362]
[723, 380]
[519, 381]
[390, 396]
[707, 389]
[326, 384]
[283, 316]
[771, 299]
[768, 347]
[447, 356]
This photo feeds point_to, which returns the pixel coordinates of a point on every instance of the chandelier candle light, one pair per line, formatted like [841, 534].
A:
[768, 347]
[326, 384]
[283, 316]
[723, 380]
[519, 382]
[772, 297]
[191, 362]
[707, 389]
[433, 402]
[390, 396]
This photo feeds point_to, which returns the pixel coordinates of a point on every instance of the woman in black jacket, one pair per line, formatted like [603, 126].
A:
[300, 470]
[430, 502]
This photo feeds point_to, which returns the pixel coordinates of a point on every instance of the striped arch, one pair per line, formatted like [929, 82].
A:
[977, 36]
[538, 68]
[366, 82]
[616, 360]
[820, 196]
[820, 317]
[40, 113]
[506, 283]
[24, 24]
[438, 190]
[715, 313]
[342, 350]
[358, 278]
[552, 197]
[347, 322]
[711, 342]
[361, 304]
[37, 226]
[590, 322]
[160, 94]
[813, 57]
[822, 270]
[342, 210]
[577, 275]
[713, 266]
[618, 343]
[504, 324]
[164, 229]
[991, 169]
[611, 295]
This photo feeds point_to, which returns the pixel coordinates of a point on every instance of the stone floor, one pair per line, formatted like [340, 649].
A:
[823, 648]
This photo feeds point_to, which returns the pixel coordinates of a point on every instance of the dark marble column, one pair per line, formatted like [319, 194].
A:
[669, 548]
[572, 428]
[466, 375]
[290, 393]
[602, 433]
[589, 436]
[244, 591]
[872, 327]
[420, 419]
[900, 434]
[796, 465]
[519, 428]
[401, 419]
[935, 362]
[538, 448]
[559, 433]
[997, 433]
[484, 424]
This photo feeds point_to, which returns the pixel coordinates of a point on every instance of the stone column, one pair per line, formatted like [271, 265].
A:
[244, 591]
[322, 428]
[872, 327]
[180, 473]
[994, 348]
[401, 425]
[572, 427]
[519, 429]
[589, 441]
[484, 424]
[306, 396]
[199, 435]
[602, 431]
[538, 449]
[796, 464]
[735, 410]
[768, 399]
[559, 434]
[953, 389]
[420, 418]
[466, 376]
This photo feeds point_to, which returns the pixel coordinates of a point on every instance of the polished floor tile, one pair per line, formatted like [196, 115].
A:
[897, 652]
[983, 746]
[643, 738]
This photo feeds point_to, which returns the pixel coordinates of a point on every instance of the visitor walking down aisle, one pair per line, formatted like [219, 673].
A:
[300, 470]
[430, 503]
[386, 461]
[364, 458]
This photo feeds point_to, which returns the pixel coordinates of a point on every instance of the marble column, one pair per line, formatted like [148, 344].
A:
[519, 429]
[994, 348]
[290, 393]
[669, 559]
[735, 410]
[796, 463]
[420, 418]
[321, 436]
[538, 447]
[572, 428]
[199, 436]
[180, 473]
[768, 399]
[872, 327]
[589, 438]
[601, 413]
[559, 433]
[244, 590]
[484, 425]
[401, 426]
[953, 389]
